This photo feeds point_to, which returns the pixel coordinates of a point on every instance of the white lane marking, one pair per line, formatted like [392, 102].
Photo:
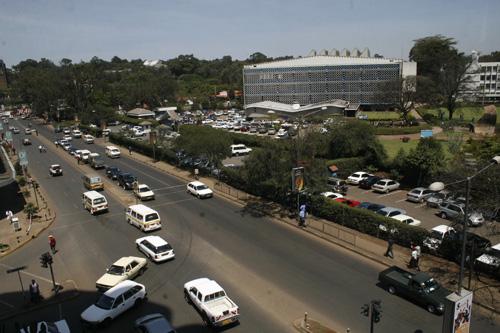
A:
[29, 274]
[147, 175]
[388, 194]
[7, 304]
[173, 202]
[167, 187]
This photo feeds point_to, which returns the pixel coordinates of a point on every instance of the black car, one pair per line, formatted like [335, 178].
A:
[451, 246]
[371, 206]
[126, 180]
[57, 130]
[97, 163]
[368, 182]
[112, 172]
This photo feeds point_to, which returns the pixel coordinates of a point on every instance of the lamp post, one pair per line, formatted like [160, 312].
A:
[438, 186]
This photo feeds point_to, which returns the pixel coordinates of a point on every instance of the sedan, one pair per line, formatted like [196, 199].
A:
[367, 183]
[155, 247]
[332, 195]
[374, 207]
[356, 177]
[348, 202]
[125, 268]
[390, 211]
[419, 194]
[385, 186]
[112, 172]
[153, 323]
[199, 189]
[407, 220]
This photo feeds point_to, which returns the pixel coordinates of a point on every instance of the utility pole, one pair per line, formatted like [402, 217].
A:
[373, 311]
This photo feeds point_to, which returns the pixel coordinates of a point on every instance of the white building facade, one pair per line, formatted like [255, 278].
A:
[483, 84]
[324, 77]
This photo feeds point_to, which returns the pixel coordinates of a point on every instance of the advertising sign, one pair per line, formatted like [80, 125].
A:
[8, 136]
[298, 179]
[462, 315]
[23, 158]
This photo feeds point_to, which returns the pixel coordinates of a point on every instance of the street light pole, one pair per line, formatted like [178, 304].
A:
[464, 234]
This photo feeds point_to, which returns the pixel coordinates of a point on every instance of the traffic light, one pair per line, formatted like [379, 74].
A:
[365, 310]
[376, 310]
[46, 259]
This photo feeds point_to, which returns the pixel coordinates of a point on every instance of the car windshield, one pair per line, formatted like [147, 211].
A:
[163, 248]
[493, 252]
[104, 302]
[436, 234]
[98, 201]
[382, 212]
[151, 217]
[201, 187]
[116, 270]
[144, 189]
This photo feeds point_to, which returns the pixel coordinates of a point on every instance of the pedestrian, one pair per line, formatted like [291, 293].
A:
[388, 252]
[130, 150]
[419, 254]
[34, 291]
[40, 148]
[302, 215]
[52, 244]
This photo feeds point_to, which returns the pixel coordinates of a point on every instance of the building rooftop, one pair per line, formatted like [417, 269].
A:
[296, 108]
[324, 60]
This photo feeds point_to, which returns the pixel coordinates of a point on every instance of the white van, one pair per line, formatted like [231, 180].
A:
[112, 152]
[143, 217]
[240, 149]
[94, 202]
[87, 138]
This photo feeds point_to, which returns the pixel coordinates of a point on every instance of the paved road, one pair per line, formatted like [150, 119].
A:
[273, 271]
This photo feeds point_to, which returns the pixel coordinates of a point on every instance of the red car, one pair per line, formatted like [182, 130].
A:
[349, 202]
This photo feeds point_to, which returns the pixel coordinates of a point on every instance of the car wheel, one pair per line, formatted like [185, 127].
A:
[206, 321]
[106, 322]
[391, 290]
[138, 302]
[129, 221]
[186, 297]
[443, 215]
[431, 308]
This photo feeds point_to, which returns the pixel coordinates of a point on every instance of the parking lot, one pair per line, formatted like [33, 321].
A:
[418, 211]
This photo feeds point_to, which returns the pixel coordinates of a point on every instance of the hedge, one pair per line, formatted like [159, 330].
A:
[401, 130]
[348, 165]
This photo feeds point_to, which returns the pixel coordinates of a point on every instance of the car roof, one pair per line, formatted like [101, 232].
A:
[402, 217]
[390, 209]
[125, 260]
[55, 165]
[121, 287]
[419, 189]
[156, 241]
[93, 194]
[155, 322]
[142, 209]
[496, 247]
[196, 183]
[442, 228]
[207, 286]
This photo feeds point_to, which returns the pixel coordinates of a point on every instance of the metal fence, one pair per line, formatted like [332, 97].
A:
[226, 189]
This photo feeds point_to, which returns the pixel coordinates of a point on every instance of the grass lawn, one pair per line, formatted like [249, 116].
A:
[468, 112]
[393, 146]
[382, 115]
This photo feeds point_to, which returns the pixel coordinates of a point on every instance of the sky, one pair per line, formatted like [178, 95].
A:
[210, 29]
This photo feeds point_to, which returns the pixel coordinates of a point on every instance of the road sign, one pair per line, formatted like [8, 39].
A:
[13, 270]
[8, 136]
[23, 158]
[297, 179]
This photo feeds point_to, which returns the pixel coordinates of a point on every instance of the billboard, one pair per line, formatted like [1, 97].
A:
[462, 314]
[298, 181]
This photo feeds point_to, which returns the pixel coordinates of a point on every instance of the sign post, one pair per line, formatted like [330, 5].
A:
[298, 183]
[18, 270]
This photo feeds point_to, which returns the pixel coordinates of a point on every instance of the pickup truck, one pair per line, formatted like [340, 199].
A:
[417, 287]
[211, 301]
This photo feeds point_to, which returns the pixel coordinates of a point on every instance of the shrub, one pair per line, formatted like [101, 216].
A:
[401, 130]
[21, 180]
[18, 168]
[348, 165]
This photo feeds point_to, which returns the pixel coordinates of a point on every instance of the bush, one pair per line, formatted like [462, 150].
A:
[18, 168]
[348, 165]
[401, 130]
[21, 180]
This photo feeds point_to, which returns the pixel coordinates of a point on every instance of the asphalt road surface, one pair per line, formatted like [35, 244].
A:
[274, 272]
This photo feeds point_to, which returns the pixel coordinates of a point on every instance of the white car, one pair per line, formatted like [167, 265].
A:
[87, 138]
[60, 326]
[356, 177]
[68, 137]
[211, 301]
[112, 152]
[332, 195]
[407, 220]
[155, 247]
[114, 302]
[143, 192]
[385, 186]
[55, 170]
[199, 189]
[437, 235]
[77, 134]
[123, 269]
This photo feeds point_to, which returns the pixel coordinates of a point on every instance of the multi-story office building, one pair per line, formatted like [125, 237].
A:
[483, 84]
[325, 77]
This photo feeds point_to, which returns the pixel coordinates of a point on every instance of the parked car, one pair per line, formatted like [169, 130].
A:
[271, 131]
[435, 199]
[153, 323]
[489, 261]
[211, 301]
[406, 220]
[199, 190]
[240, 149]
[417, 287]
[112, 172]
[55, 170]
[125, 268]
[451, 246]
[337, 185]
[391, 211]
[455, 210]
[126, 180]
[26, 142]
[113, 303]
[438, 233]
[332, 195]
[349, 202]
[419, 194]
[155, 248]
[27, 131]
[356, 177]
[374, 207]
[57, 129]
[368, 182]
[385, 186]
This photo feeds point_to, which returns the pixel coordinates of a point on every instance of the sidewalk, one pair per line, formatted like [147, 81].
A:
[486, 291]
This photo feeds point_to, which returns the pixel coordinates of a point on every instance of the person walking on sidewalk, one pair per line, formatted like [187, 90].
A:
[302, 215]
[52, 244]
[34, 291]
[388, 252]
[419, 254]
[130, 150]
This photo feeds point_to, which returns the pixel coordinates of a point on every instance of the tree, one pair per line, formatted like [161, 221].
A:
[401, 93]
[257, 57]
[424, 162]
[30, 209]
[203, 141]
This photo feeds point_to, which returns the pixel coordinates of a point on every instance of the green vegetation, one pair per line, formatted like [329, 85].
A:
[401, 130]
[382, 115]
[392, 147]
[465, 113]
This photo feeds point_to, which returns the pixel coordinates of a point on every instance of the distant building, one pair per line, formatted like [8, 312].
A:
[140, 113]
[154, 63]
[269, 108]
[3, 76]
[331, 75]
[484, 81]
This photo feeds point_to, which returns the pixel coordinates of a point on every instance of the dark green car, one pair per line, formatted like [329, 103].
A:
[419, 288]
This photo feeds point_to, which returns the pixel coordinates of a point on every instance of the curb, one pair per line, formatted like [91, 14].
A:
[70, 294]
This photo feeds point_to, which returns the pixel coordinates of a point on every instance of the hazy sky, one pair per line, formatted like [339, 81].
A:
[213, 28]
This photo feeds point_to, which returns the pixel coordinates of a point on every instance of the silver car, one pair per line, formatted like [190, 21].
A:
[456, 210]
[419, 194]
[436, 199]
[385, 185]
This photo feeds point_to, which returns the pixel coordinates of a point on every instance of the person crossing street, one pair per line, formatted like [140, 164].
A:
[52, 244]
